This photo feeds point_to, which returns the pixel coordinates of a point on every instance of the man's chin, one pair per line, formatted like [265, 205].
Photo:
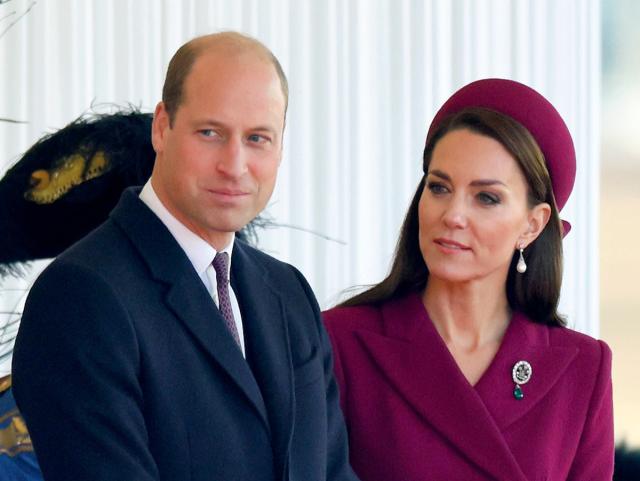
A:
[229, 224]
[229, 227]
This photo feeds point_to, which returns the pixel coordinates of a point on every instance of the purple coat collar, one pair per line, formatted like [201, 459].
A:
[471, 417]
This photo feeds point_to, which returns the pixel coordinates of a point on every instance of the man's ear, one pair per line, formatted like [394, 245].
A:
[159, 126]
[537, 219]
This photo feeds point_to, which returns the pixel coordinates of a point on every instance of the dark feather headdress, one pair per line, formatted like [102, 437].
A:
[67, 183]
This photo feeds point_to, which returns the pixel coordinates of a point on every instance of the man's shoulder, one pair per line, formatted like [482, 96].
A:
[105, 255]
[97, 247]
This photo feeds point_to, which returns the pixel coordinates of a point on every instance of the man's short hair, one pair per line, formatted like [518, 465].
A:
[182, 62]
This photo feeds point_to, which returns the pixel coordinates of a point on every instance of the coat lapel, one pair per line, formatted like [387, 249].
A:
[186, 296]
[264, 318]
[440, 394]
[524, 341]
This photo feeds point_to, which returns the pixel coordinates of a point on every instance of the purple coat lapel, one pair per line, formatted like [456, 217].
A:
[470, 418]
[528, 341]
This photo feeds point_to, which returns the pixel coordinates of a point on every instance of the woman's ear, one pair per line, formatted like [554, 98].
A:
[537, 218]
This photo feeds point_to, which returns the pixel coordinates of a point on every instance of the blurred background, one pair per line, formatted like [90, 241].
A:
[620, 208]
[366, 77]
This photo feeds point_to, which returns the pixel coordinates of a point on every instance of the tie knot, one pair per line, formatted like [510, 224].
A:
[221, 266]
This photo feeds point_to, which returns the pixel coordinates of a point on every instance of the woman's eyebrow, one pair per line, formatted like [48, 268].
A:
[479, 182]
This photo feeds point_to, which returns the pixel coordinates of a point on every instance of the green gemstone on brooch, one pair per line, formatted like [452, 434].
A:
[521, 374]
[517, 393]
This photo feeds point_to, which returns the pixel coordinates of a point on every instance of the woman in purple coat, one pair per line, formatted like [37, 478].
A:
[457, 366]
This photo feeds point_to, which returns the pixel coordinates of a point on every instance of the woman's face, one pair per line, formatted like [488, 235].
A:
[473, 210]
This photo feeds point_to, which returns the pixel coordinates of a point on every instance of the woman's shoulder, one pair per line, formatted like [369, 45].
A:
[402, 311]
[588, 349]
[352, 317]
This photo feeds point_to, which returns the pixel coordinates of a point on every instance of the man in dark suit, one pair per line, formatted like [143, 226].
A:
[137, 358]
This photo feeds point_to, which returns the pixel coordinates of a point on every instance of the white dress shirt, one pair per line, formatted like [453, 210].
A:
[199, 252]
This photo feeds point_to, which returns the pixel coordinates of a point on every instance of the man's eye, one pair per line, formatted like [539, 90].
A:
[207, 132]
[257, 138]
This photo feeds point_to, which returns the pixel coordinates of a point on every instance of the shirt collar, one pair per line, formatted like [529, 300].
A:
[199, 251]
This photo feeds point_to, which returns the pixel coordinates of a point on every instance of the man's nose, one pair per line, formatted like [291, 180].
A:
[232, 161]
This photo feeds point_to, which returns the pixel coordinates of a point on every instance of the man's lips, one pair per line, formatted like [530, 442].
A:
[228, 192]
[451, 244]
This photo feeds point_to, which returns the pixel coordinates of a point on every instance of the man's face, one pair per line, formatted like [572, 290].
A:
[216, 166]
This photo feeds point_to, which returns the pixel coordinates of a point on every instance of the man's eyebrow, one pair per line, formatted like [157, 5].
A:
[217, 123]
[209, 122]
[263, 128]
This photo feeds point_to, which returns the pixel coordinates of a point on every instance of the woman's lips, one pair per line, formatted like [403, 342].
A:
[451, 245]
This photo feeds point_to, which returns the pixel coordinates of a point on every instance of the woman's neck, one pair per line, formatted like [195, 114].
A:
[468, 315]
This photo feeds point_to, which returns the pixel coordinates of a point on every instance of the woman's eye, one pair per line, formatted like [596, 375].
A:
[437, 188]
[488, 198]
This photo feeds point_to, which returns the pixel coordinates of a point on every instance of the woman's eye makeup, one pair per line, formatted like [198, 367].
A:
[437, 187]
[484, 197]
[488, 198]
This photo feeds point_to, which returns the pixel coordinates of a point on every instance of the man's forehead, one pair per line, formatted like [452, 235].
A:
[213, 66]
[216, 62]
[225, 50]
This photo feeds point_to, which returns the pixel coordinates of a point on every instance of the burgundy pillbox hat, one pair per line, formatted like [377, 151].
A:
[535, 113]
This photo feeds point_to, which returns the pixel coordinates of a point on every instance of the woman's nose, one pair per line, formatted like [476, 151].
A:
[455, 215]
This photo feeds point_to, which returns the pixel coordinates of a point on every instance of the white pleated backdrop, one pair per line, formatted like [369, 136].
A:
[366, 77]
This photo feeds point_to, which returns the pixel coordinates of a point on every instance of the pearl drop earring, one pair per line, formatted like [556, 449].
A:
[521, 267]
